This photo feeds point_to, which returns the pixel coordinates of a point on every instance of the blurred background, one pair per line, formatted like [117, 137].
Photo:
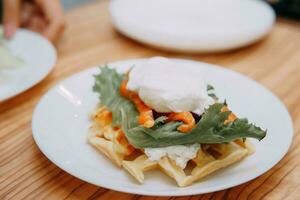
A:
[287, 8]
[67, 4]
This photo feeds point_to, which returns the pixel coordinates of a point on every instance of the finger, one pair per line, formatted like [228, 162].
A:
[28, 10]
[54, 14]
[11, 16]
[37, 23]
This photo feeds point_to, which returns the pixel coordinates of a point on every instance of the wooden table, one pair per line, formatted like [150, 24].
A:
[89, 39]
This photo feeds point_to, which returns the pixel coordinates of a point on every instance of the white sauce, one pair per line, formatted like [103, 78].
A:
[167, 86]
[181, 154]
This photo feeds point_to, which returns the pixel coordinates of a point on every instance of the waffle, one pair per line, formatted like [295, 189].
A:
[209, 158]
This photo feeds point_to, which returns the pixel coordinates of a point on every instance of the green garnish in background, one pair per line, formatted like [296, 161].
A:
[7, 59]
[209, 130]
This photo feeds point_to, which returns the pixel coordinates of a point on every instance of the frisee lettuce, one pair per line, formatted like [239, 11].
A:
[209, 130]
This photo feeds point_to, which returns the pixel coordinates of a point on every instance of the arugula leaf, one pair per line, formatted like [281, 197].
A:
[107, 84]
[209, 130]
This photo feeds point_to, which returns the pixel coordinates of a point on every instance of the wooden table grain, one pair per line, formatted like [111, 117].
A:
[89, 39]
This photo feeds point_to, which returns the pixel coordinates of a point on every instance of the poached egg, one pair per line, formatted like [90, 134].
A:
[168, 86]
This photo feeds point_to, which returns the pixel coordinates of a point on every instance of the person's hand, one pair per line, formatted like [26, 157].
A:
[44, 16]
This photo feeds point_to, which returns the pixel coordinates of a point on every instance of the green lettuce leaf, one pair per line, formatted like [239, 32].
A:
[107, 84]
[209, 130]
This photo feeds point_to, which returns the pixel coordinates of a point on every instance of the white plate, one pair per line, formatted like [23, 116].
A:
[60, 124]
[39, 57]
[193, 25]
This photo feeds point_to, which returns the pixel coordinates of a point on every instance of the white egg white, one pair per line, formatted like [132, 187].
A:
[167, 86]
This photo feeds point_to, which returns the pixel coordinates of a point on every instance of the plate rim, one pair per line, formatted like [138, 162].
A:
[130, 190]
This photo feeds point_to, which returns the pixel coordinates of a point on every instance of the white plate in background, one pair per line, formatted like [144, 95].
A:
[61, 120]
[193, 25]
[39, 58]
